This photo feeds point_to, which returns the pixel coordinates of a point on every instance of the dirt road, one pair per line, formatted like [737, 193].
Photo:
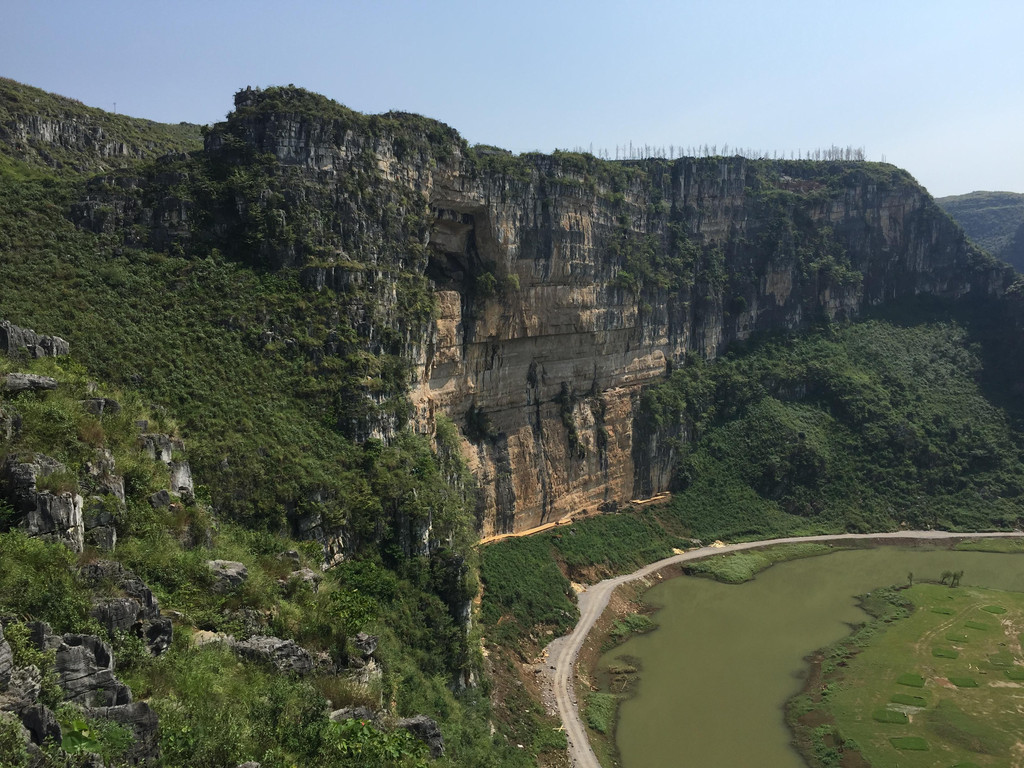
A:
[562, 652]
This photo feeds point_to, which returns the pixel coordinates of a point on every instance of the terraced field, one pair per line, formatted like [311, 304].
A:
[943, 687]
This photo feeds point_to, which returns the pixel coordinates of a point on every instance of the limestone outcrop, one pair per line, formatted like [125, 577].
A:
[16, 341]
[284, 655]
[84, 667]
[137, 612]
[45, 513]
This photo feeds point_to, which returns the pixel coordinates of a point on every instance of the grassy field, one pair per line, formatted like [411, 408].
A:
[941, 687]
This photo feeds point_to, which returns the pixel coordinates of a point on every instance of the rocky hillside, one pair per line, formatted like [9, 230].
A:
[533, 298]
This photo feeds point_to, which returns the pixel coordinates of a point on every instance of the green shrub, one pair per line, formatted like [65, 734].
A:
[911, 679]
[37, 581]
[13, 753]
[963, 682]
[631, 624]
[600, 711]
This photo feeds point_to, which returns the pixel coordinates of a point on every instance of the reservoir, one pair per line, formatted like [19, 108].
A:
[715, 675]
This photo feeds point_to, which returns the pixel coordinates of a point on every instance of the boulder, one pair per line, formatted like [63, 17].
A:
[42, 637]
[138, 612]
[102, 537]
[142, 721]
[227, 574]
[19, 475]
[181, 479]
[351, 713]
[23, 689]
[307, 576]
[425, 729]
[157, 633]
[365, 673]
[285, 655]
[85, 670]
[103, 478]
[112, 575]
[251, 621]
[15, 340]
[365, 644]
[59, 517]
[50, 515]
[160, 500]
[42, 725]
[99, 406]
[10, 424]
[116, 614]
[96, 513]
[27, 382]
[160, 447]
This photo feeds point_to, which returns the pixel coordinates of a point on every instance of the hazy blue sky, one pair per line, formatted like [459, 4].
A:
[933, 85]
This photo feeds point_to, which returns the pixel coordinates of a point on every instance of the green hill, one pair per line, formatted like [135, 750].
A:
[990, 219]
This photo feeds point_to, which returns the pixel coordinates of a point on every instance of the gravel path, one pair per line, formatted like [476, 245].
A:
[562, 651]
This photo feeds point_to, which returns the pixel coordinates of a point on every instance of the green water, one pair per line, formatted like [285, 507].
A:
[716, 674]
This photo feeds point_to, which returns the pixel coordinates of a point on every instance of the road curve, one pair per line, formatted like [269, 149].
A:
[562, 652]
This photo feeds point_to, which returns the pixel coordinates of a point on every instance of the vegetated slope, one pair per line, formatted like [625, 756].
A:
[63, 134]
[990, 219]
[216, 706]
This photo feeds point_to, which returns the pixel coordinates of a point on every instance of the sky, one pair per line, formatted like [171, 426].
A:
[934, 86]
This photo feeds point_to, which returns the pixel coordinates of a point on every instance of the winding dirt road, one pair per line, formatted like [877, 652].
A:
[563, 651]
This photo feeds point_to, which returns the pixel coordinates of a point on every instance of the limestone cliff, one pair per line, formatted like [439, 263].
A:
[534, 297]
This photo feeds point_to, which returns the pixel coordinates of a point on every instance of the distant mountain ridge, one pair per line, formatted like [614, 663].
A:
[993, 220]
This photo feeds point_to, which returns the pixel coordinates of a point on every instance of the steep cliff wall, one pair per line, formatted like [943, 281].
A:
[534, 297]
[584, 315]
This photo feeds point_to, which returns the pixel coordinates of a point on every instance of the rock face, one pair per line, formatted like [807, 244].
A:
[50, 515]
[6, 661]
[15, 341]
[85, 670]
[28, 382]
[425, 729]
[285, 655]
[227, 574]
[138, 612]
[563, 285]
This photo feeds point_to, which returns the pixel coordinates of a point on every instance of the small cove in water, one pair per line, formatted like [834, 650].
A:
[716, 673]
